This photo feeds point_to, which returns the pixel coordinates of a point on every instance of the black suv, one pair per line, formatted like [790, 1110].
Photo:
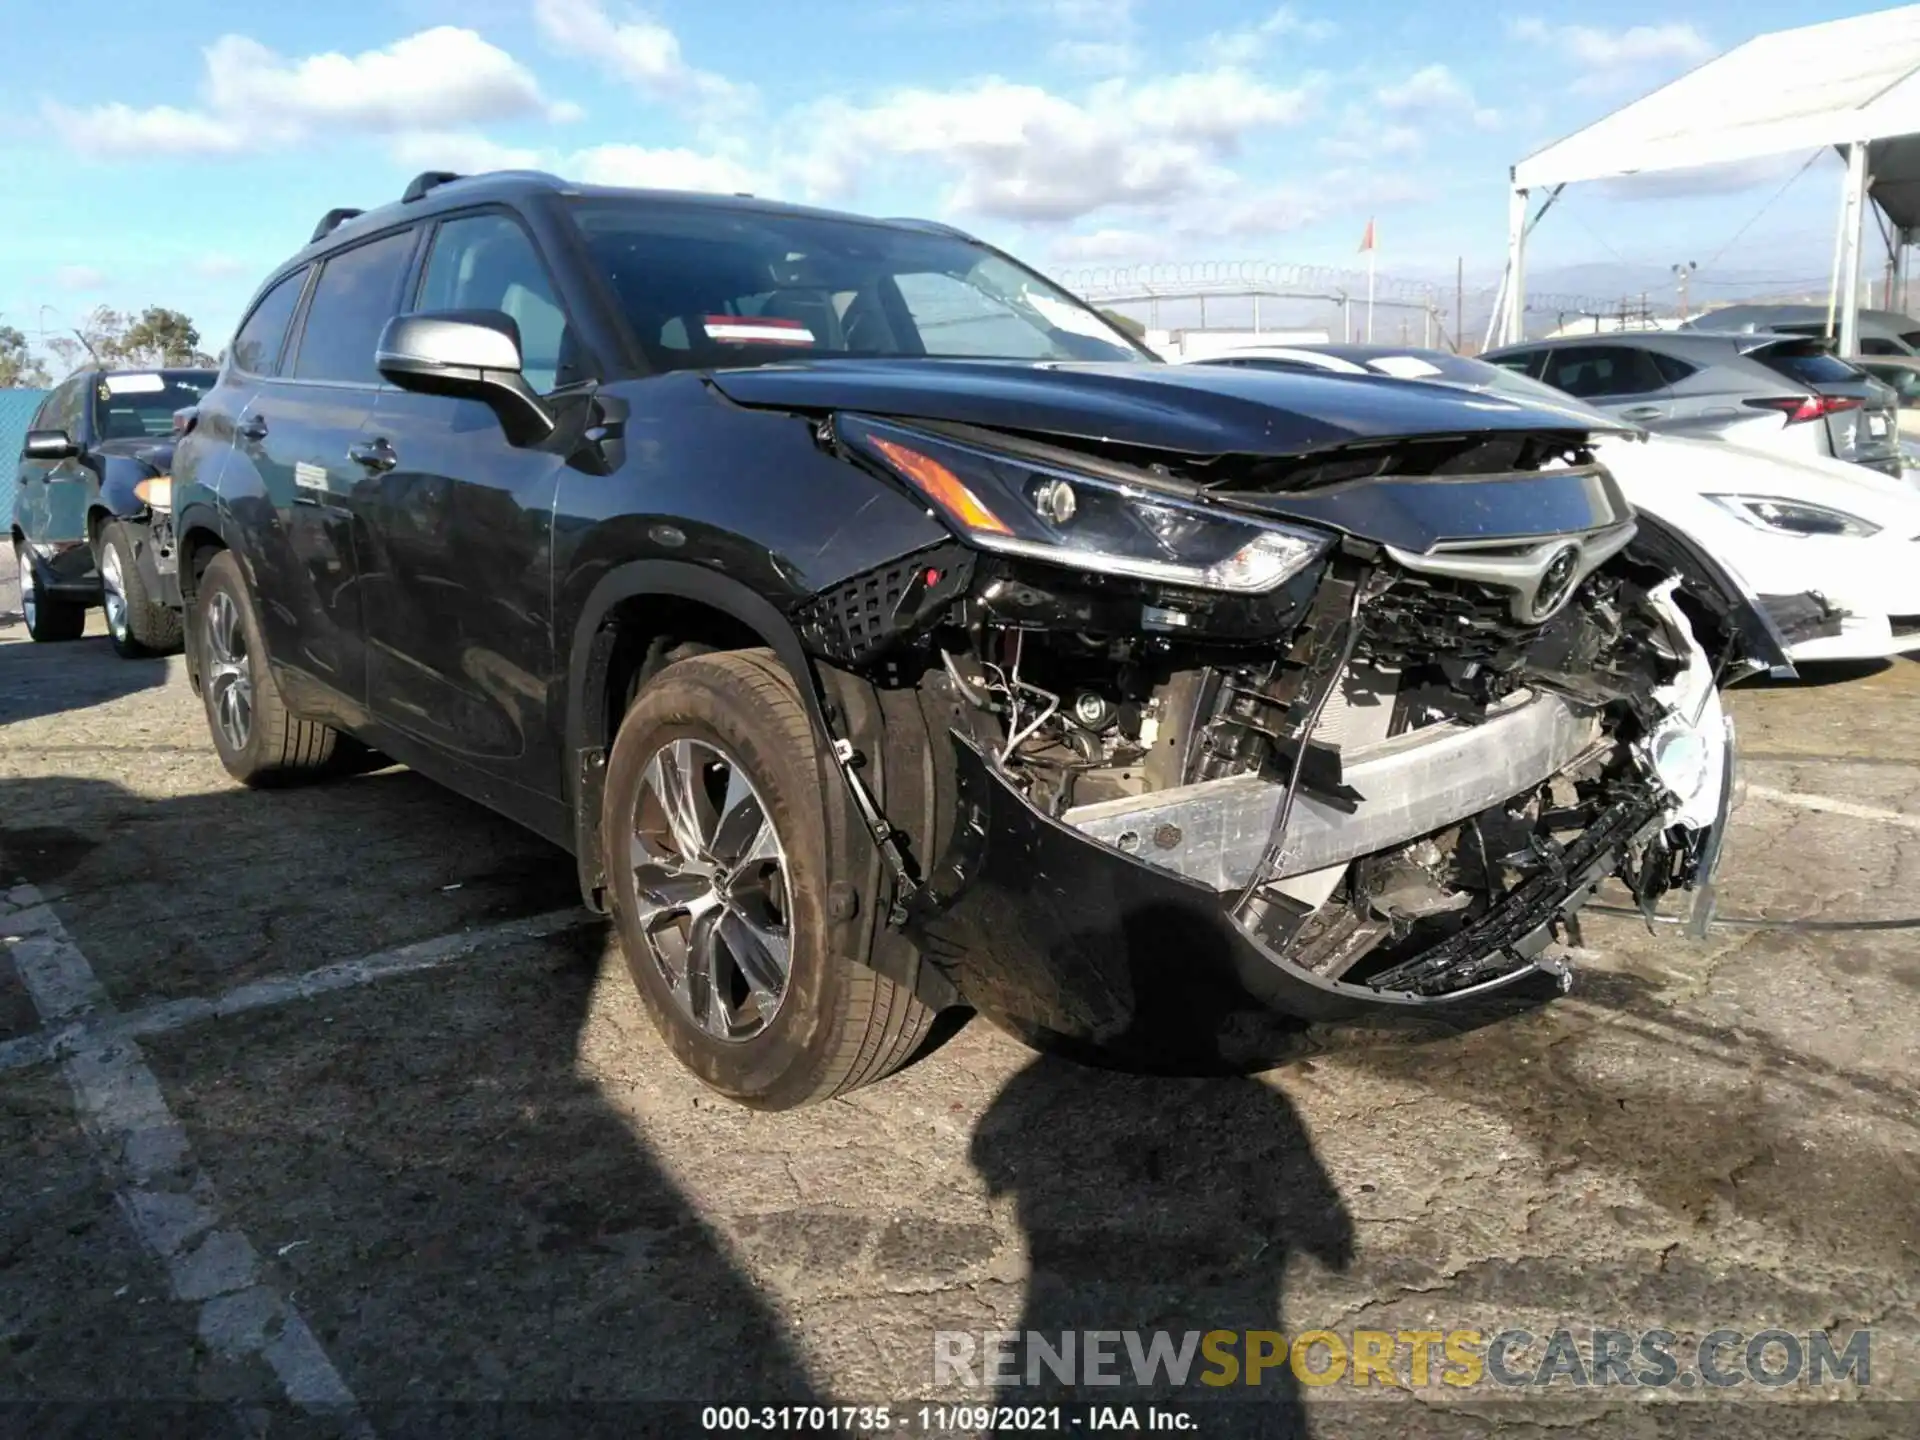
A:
[90, 512]
[883, 630]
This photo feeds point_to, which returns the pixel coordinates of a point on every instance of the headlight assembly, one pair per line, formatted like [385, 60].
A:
[1068, 517]
[1794, 517]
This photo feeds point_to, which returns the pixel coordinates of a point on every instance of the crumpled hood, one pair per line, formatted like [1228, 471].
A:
[1183, 409]
[157, 453]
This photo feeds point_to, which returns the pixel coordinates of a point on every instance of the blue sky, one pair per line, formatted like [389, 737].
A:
[171, 154]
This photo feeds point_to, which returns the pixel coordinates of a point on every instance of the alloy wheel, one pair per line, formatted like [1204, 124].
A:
[113, 587]
[711, 879]
[29, 602]
[229, 678]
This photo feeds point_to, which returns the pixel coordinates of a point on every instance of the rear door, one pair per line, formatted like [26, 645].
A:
[295, 436]
[1620, 379]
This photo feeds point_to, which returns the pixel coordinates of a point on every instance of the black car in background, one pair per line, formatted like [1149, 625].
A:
[91, 517]
[883, 630]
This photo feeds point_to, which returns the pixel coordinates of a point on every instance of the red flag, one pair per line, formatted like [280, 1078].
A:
[1366, 240]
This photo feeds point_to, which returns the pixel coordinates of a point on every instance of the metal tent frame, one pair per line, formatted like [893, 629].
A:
[1850, 84]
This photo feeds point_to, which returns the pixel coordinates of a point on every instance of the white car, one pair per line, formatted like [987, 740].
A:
[1828, 551]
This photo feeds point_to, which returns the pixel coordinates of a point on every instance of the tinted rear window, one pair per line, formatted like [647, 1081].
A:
[1598, 371]
[1809, 367]
[358, 292]
[256, 349]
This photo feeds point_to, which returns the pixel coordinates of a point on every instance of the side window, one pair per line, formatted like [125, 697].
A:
[486, 262]
[1873, 346]
[1597, 372]
[69, 405]
[358, 292]
[44, 417]
[1521, 362]
[1672, 371]
[256, 348]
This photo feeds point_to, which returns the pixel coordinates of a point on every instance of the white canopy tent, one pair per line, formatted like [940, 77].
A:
[1853, 84]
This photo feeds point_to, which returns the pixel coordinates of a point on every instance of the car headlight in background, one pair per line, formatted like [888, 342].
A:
[1794, 517]
[1069, 517]
[155, 492]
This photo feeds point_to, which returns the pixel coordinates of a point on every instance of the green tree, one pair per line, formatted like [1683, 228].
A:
[19, 369]
[161, 337]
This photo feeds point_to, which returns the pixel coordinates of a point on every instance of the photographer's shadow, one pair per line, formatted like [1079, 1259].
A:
[1159, 1204]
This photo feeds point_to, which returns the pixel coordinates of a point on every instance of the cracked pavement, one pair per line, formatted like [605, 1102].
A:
[483, 1178]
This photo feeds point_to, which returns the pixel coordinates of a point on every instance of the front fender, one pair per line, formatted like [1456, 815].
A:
[591, 653]
[1709, 584]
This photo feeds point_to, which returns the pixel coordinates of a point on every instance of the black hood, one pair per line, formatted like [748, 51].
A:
[149, 451]
[1181, 409]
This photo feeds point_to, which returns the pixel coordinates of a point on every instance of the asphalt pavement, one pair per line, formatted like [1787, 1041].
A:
[330, 1111]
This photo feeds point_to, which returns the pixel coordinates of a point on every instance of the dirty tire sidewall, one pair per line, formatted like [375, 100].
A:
[54, 619]
[152, 628]
[745, 705]
[281, 749]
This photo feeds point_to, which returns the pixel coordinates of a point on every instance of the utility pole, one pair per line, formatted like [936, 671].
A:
[1684, 273]
[1459, 302]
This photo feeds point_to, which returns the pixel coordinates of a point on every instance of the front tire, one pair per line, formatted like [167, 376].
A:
[49, 618]
[138, 624]
[714, 829]
[258, 740]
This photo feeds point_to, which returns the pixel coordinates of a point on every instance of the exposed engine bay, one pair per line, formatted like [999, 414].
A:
[1399, 774]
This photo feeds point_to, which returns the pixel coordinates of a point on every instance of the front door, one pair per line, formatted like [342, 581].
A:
[52, 495]
[461, 649]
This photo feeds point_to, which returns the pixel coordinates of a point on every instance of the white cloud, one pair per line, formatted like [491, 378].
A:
[639, 50]
[1434, 91]
[1611, 59]
[117, 131]
[1020, 152]
[252, 97]
[79, 277]
[671, 169]
[1251, 42]
[462, 151]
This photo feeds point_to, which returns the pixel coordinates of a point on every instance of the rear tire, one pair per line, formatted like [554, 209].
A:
[258, 740]
[714, 831]
[49, 618]
[138, 624]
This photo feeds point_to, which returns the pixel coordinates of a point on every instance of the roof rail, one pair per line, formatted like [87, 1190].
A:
[425, 181]
[332, 221]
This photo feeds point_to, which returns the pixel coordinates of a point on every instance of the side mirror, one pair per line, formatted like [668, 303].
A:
[466, 355]
[48, 445]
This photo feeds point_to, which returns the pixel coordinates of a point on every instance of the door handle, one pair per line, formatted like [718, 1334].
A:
[1642, 412]
[253, 428]
[378, 455]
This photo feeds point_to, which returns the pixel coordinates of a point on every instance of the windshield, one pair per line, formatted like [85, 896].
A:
[140, 405]
[713, 286]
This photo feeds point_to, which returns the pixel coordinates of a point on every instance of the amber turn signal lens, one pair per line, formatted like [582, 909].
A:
[156, 491]
[943, 487]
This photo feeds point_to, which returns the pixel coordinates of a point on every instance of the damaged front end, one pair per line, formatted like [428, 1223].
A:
[1330, 740]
